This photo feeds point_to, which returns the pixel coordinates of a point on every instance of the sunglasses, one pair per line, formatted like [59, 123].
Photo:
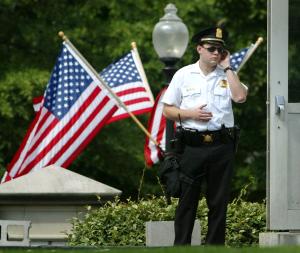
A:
[212, 49]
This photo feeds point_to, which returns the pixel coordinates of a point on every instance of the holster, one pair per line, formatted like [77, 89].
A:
[231, 134]
[177, 143]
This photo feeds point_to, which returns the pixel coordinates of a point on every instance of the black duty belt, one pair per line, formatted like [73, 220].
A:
[197, 138]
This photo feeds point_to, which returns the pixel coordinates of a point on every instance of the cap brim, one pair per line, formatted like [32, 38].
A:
[215, 40]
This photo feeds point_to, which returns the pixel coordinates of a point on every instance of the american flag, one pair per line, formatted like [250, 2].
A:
[128, 81]
[238, 58]
[73, 109]
[157, 129]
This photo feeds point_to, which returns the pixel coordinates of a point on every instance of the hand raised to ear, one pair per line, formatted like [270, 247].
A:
[225, 60]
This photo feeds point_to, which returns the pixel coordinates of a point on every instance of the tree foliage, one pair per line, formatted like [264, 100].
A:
[102, 31]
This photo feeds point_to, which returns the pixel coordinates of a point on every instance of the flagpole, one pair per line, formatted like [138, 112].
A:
[141, 69]
[249, 54]
[100, 79]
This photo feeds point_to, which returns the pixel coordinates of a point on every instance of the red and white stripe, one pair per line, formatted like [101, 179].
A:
[137, 96]
[37, 103]
[157, 129]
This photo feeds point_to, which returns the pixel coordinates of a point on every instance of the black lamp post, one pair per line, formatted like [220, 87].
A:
[170, 39]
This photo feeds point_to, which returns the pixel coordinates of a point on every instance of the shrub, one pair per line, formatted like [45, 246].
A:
[118, 223]
[245, 220]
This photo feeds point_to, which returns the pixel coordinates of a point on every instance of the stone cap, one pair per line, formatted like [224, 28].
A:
[54, 183]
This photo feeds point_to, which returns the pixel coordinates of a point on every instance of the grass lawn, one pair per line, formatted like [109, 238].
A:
[292, 249]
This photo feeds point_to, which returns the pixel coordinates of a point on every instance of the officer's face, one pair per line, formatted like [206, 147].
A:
[210, 53]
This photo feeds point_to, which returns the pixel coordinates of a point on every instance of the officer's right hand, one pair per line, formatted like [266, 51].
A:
[200, 114]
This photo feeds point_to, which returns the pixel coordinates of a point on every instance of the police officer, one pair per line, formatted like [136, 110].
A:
[202, 94]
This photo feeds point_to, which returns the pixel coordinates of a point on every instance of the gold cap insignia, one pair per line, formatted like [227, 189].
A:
[219, 33]
[223, 84]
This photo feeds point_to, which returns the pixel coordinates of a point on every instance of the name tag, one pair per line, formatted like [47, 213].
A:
[190, 91]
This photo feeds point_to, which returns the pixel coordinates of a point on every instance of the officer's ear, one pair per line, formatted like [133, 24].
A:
[199, 48]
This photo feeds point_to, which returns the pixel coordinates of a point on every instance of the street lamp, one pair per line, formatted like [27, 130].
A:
[170, 39]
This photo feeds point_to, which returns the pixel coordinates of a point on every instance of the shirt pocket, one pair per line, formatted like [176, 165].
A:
[222, 98]
[190, 97]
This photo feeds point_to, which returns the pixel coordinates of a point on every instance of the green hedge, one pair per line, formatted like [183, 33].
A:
[118, 223]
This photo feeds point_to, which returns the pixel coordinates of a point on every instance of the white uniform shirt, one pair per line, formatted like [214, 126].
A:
[190, 88]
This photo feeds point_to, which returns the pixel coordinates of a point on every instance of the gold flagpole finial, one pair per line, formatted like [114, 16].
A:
[260, 39]
[133, 44]
[62, 35]
[250, 52]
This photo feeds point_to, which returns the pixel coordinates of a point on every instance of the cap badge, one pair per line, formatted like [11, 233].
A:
[219, 33]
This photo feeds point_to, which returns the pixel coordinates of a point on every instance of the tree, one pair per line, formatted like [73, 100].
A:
[103, 31]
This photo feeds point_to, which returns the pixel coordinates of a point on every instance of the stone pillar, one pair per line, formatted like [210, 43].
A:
[50, 198]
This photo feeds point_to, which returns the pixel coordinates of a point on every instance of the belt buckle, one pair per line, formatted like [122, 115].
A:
[208, 138]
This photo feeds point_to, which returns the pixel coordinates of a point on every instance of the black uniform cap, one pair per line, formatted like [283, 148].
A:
[213, 34]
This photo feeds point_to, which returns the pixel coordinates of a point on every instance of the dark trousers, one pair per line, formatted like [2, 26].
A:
[213, 163]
